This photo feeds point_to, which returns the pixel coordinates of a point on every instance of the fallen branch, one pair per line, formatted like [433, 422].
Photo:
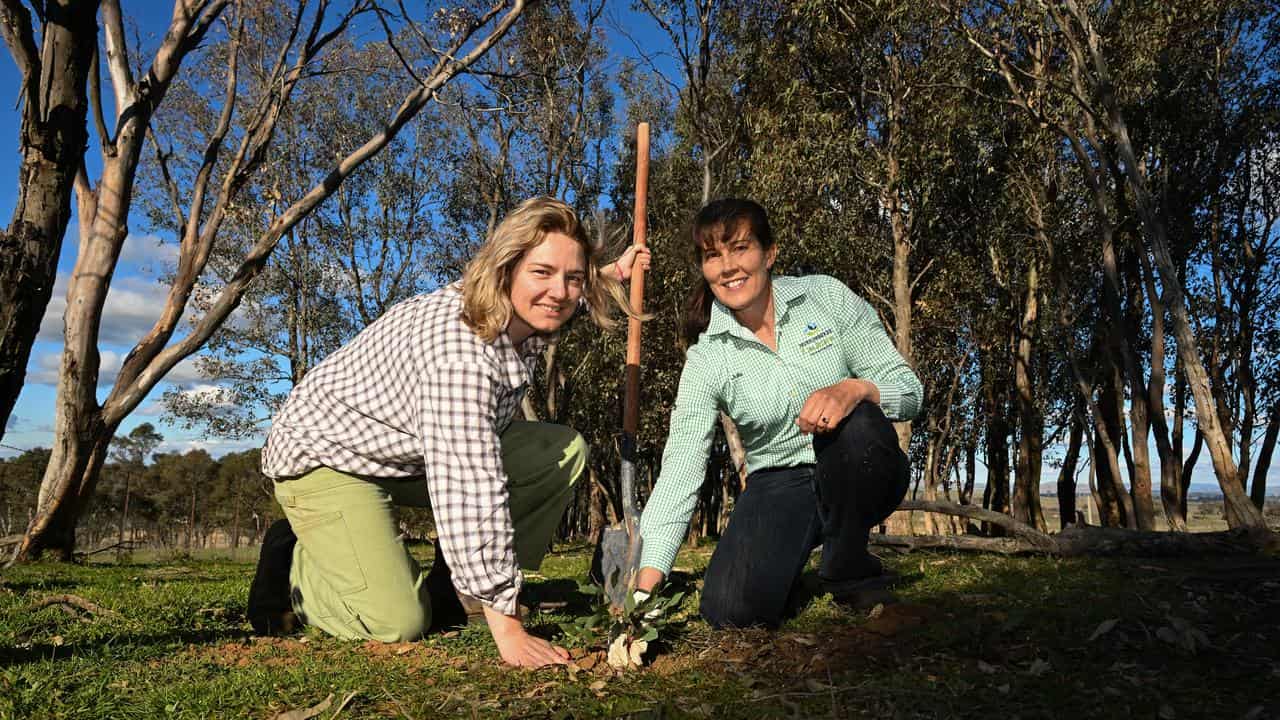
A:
[128, 545]
[1076, 540]
[67, 602]
[10, 540]
[1020, 530]
[972, 543]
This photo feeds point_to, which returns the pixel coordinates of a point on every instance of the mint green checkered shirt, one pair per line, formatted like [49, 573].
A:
[825, 334]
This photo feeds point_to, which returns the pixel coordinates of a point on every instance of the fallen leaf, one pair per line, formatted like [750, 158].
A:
[1003, 689]
[1103, 628]
[1166, 713]
[597, 685]
[986, 668]
[806, 640]
[1038, 668]
[876, 611]
[305, 713]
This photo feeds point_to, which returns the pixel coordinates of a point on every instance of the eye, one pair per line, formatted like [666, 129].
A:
[541, 272]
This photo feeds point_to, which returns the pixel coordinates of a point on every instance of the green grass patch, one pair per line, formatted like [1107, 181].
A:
[974, 636]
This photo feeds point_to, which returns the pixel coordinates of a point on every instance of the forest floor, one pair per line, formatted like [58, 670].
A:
[973, 636]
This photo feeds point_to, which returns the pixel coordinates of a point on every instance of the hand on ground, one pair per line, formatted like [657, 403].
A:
[517, 647]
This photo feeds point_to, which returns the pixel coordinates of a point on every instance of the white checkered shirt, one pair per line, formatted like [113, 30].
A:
[418, 394]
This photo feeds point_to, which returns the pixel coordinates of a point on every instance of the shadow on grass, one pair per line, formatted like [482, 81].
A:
[41, 585]
[26, 653]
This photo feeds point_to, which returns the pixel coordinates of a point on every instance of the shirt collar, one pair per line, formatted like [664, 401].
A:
[785, 291]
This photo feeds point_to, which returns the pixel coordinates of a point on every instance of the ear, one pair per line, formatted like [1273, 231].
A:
[770, 256]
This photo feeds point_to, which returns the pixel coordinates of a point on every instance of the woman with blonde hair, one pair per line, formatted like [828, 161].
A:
[419, 409]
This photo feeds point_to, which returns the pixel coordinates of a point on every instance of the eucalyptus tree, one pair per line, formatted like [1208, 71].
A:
[56, 59]
[371, 245]
[268, 50]
[1099, 73]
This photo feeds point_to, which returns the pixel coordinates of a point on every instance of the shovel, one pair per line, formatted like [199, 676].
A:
[619, 551]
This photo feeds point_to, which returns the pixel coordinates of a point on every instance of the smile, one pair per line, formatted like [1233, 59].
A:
[735, 284]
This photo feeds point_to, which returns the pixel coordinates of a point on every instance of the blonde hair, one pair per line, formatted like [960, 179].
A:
[486, 283]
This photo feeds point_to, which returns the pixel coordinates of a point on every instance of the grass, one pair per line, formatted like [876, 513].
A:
[974, 636]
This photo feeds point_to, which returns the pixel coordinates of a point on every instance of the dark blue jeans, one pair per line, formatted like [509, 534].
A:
[860, 477]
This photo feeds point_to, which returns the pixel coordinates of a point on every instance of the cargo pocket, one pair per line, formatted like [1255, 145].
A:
[327, 539]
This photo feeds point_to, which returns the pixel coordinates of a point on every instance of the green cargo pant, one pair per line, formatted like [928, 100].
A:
[352, 575]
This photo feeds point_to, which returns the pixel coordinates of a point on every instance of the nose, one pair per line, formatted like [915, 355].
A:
[559, 289]
[728, 266]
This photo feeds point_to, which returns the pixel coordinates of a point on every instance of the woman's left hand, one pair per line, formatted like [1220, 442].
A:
[636, 256]
[827, 406]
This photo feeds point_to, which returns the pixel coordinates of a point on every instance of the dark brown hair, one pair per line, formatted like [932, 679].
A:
[719, 221]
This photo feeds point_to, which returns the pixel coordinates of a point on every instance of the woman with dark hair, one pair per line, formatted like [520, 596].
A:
[806, 371]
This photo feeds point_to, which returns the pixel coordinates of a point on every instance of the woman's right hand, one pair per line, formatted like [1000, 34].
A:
[517, 647]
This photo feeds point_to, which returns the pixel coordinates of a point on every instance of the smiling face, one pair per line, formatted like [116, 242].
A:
[737, 270]
[546, 285]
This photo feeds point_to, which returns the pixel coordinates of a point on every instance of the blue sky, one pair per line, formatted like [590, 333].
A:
[136, 297]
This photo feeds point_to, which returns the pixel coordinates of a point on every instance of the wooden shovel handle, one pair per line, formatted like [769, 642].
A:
[631, 390]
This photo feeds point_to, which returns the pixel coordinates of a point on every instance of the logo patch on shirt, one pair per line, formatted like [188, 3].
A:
[816, 339]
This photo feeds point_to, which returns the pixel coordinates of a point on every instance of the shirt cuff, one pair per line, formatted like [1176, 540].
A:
[890, 400]
[504, 599]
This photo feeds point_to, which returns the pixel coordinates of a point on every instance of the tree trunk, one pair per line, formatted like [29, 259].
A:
[1067, 476]
[1189, 468]
[970, 473]
[996, 495]
[67, 487]
[124, 511]
[51, 142]
[1026, 491]
[1258, 493]
[1116, 508]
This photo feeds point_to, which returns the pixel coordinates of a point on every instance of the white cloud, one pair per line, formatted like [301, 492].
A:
[217, 447]
[133, 305]
[12, 423]
[147, 253]
[47, 365]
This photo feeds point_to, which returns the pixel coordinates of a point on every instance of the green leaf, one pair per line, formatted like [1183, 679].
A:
[650, 636]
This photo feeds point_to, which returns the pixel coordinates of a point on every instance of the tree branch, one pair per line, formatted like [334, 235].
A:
[15, 26]
[125, 396]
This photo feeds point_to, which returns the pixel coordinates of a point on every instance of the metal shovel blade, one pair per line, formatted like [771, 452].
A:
[617, 558]
[613, 570]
